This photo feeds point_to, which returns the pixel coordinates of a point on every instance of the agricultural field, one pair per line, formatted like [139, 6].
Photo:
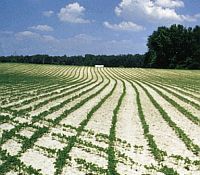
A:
[69, 120]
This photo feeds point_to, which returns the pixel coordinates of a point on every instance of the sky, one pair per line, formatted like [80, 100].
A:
[67, 27]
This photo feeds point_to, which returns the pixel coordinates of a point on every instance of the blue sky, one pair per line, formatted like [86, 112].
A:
[58, 27]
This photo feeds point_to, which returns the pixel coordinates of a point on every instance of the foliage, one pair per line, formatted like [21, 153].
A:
[87, 60]
[112, 162]
[174, 47]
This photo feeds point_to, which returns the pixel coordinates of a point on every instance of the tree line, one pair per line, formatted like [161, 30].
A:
[87, 60]
[168, 47]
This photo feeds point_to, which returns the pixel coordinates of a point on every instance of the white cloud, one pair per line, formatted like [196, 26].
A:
[124, 26]
[189, 18]
[48, 13]
[43, 28]
[48, 38]
[84, 37]
[197, 15]
[6, 33]
[170, 3]
[33, 43]
[27, 35]
[159, 11]
[72, 13]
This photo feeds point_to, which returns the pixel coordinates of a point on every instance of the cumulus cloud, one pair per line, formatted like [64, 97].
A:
[197, 15]
[43, 28]
[48, 38]
[170, 3]
[72, 13]
[27, 35]
[48, 13]
[159, 11]
[6, 33]
[124, 26]
[84, 37]
[29, 43]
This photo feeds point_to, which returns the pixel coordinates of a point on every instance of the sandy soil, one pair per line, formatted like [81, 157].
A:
[89, 157]
[91, 146]
[5, 127]
[63, 130]
[12, 146]
[59, 92]
[93, 139]
[163, 134]
[48, 142]
[12, 173]
[105, 113]
[38, 161]
[75, 118]
[129, 129]
[27, 132]
[57, 102]
[22, 120]
[186, 106]
[189, 128]
[68, 170]
[175, 90]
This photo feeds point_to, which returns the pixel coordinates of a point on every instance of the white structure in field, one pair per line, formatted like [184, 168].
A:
[99, 66]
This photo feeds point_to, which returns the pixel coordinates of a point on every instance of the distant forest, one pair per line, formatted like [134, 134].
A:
[87, 60]
[175, 47]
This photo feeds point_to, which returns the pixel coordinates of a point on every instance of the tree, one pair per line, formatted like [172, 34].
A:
[174, 47]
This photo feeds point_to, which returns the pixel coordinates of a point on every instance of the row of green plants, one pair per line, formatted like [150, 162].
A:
[183, 82]
[30, 142]
[95, 149]
[4, 118]
[24, 87]
[39, 133]
[59, 94]
[181, 97]
[78, 105]
[89, 167]
[14, 163]
[180, 133]
[158, 154]
[18, 88]
[181, 109]
[25, 102]
[51, 153]
[100, 137]
[11, 96]
[27, 84]
[177, 89]
[27, 143]
[19, 82]
[112, 161]
[63, 155]
[34, 95]
[80, 143]
[20, 112]
[186, 160]
[9, 134]
[77, 86]
[64, 103]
